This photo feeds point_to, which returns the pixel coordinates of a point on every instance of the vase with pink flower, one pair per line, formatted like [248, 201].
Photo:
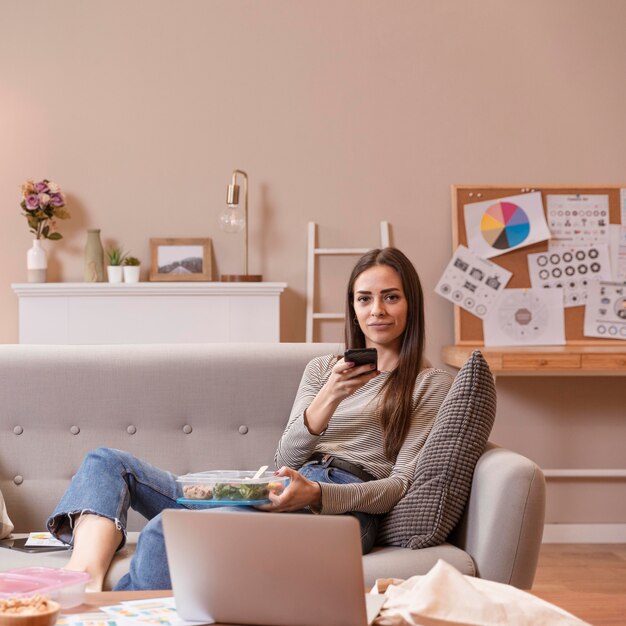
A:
[42, 204]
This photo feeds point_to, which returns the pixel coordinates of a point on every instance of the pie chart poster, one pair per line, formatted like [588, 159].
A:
[495, 227]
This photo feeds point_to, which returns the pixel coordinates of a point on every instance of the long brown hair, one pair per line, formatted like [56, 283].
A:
[397, 391]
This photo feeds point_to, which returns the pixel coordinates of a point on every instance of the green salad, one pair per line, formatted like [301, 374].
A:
[245, 491]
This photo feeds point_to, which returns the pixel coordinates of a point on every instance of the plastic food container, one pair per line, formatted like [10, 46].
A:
[65, 587]
[230, 488]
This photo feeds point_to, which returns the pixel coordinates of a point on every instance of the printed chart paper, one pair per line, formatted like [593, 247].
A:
[577, 220]
[619, 270]
[150, 612]
[471, 282]
[570, 269]
[43, 538]
[494, 227]
[617, 238]
[86, 619]
[605, 313]
[526, 317]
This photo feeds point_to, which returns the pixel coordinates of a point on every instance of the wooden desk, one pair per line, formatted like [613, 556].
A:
[94, 601]
[570, 360]
[599, 609]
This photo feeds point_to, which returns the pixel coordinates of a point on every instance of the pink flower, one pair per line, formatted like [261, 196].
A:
[32, 202]
[42, 204]
[28, 188]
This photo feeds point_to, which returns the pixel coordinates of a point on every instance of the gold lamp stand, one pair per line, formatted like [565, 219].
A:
[232, 201]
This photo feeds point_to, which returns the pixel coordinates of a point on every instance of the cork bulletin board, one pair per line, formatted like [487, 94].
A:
[468, 329]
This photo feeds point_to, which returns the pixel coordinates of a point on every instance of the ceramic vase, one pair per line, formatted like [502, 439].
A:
[131, 273]
[115, 273]
[94, 257]
[36, 263]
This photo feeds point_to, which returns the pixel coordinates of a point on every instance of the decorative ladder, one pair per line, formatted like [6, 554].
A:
[313, 252]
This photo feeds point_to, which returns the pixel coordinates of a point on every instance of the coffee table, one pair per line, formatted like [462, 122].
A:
[598, 609]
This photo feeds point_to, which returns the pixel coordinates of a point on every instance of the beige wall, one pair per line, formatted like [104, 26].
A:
[344, 113]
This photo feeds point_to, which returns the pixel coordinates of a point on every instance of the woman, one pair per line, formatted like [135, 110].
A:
[350, 445]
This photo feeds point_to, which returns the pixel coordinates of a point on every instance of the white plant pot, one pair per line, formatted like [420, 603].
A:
[115, 273]
[131, 273]
[36, 263]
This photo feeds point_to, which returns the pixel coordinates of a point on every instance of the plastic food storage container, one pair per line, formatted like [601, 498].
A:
[65, 587]
[228, 488]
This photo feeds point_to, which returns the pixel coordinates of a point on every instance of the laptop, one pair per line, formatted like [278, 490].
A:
[268, 569]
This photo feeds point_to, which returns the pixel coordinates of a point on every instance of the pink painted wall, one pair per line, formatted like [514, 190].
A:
[343, 112]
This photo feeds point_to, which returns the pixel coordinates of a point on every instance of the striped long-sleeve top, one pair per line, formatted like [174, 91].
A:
[354, 434]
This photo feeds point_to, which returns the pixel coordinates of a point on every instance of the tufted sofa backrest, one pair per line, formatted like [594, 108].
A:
[184, 408]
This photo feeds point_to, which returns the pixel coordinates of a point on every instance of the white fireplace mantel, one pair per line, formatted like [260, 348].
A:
[148, 312]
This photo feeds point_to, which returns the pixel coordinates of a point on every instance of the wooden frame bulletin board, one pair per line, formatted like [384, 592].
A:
[468, 329]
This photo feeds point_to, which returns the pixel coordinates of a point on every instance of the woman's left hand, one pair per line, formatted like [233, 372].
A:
[300, 493]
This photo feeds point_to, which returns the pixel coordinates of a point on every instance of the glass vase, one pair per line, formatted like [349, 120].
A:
[36, 263]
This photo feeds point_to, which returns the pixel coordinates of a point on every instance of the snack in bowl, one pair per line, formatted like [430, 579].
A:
[35, 610]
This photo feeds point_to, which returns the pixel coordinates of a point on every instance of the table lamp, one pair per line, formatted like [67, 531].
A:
[233, 221]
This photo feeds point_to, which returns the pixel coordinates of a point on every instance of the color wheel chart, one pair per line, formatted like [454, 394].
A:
[504, 225]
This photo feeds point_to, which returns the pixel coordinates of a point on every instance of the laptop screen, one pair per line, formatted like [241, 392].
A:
[251, 567]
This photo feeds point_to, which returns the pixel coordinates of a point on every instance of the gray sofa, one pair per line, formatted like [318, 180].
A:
[216, 406]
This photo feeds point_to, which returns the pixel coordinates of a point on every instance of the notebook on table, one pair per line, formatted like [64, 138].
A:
[269, 569]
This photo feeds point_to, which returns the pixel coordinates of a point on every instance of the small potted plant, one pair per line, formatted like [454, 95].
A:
[131, 269]
[115, 257]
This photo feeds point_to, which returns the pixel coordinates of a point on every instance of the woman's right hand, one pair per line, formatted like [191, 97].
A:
[344, 380]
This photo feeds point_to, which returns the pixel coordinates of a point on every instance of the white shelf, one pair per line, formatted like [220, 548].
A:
[167, 312]
[47, 290]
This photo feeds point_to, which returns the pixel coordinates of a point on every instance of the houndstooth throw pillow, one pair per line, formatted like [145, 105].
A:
[436, 499]
[6, 526]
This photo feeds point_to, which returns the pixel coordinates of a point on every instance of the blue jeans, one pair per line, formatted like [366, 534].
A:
[110, 481]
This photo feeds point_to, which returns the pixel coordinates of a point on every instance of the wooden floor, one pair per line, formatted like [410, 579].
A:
[586, 579]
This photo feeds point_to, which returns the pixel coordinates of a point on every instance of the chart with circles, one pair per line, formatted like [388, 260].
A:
[471, 282]
[579, 219]
[570, 269]
[526, 317]
[500, 225]
[605, 313]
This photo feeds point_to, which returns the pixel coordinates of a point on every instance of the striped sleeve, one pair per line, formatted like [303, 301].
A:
[297, 444]
[379, 496]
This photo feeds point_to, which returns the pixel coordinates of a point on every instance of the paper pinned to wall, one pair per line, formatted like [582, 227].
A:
[617, 251]
[619, 269]
[578, 219]
[494, 227]
[471, 282]
[570, 269]
[605, 312]
[526, 317]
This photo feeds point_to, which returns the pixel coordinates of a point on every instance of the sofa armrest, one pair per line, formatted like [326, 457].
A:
[502, 526]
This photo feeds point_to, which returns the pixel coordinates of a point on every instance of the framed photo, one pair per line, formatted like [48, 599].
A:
[180, 259]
